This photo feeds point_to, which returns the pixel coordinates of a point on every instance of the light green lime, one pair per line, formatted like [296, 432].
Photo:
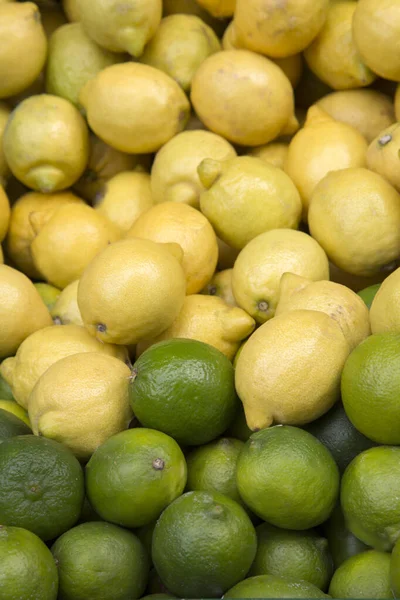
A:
[369, 293]
[272, 586]
[366, 575]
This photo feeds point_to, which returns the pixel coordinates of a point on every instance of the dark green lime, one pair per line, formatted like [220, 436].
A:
[272, 586]
[5, 390]
[11, 426]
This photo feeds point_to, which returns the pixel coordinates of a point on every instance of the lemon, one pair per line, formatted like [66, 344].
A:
[65, 310]
[174, 176]
[260, 265]
[228, 92]
[353, 240]
[219, 8]
[333, 55]
[376, 28]
[365, 575]
[23, 47]
[12, 407]
[221, 285]
[73, 59]
[45, 347]
[323, 145]
[368, 111]
[21, 231]
[277, 29]
[210, 320]
[81, 401]
[121, 27]
[76, 233]
[245, 197]
[58, 140]
[105, 162]
[4, 213]
[146, 109]
[72, 10]
[48, 293]
[383, 155]
[337, 301]
[272, 586]
[179, 46]
[22, 310]
[4, 114]
[274, 153]
[123, 198]
[289, 370]
[132, 290]
[384, 311]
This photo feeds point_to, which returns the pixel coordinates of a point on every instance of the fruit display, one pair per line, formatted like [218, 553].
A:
[199, 299]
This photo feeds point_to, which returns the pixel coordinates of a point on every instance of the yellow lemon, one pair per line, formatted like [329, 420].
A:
[22, 231]
[221, 285]
[260, 265]
[132, 290]
[229, 91]
[179, 46]
[226, 255]
[368, 111]
[274, 153]
[376, 31]
[45, 347]
[383, 155]
[4, 114]
[66, 310]
[58, 142]
[174, 176]
[323, 145]
[210, 320]
[289, 371]
[277, 28]
[81, 401]
[72, 10]
[384, 311]
[333, 55]
[70, 239]
[219, 8]
[23, 47]
[337, 301]
[4, 213]
[22, 311]
[355, 215]
[246, 196]
[145, 110]
[121, 26]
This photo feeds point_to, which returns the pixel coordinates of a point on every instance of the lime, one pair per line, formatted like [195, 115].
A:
[10, 425]
[239, 428]
[134, 475]
[186, 389]
[368, 293]
[365, 575]
[100, 560]
[17, 410]
[27, 568]
[395, 570]
[272, 586]
[295, 555]
[5, 390]
[370, 497]
[203, 544]
[371, 388]
[338, 434]
[287, 477]
[342, 543]
[42, 487]
[212, 468]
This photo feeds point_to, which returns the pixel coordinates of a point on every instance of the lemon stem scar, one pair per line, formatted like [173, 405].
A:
[158, 464]
[263, 306]
[101, 328]
[385, 139]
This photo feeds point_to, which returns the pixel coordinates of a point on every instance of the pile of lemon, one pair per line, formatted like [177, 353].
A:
[199, 299]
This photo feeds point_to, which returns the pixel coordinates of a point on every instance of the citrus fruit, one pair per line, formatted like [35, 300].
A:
[273, 153]
[4, 213]
[342, 543]
[12, 407]
[48, 293]
[221, 285]
[369, 496]
[96, 560]
[384, 312]
[395, 571]
[11, 425]
[184, 388]
[219, 8]
[203, 544]
[42, 486]
[27, 568]
[134, 475]
[383, 154]
[4, 114]
[272, 586]
[365, 575]
[368, 294]
[370, 382]
[66, 310]
[295, 555]
[5, 390]
[288, 478]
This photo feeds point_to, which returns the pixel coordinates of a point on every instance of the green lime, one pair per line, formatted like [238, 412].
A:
[371, 388]
[272, 586]
[395, 570]
[239, 428]
[27, 568]
[203, 544]
[42, 487]
[295, 555]
[100, 560]
[186, 389]
[134, 475]
[368, 293]
[212, 468]
[288, 478]
[370, 497]
[10, 425]
[366, 575]
[5, 390]
[48, 293]
[339, 435]
[342, 543]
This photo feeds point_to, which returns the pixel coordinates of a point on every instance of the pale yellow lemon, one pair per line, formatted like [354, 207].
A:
[274, 153]
[186, 226]
[384, 311]
[66, 310]
[221, 286]
[4, 213]
[4, 170]
[383, 155]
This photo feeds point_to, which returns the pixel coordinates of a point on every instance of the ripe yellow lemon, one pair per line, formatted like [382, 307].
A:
[221, 286]
[383, 155]
[274, 153]
[66, 310]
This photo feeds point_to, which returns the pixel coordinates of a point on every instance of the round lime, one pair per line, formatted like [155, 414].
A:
[272, 586]
[366, 575]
